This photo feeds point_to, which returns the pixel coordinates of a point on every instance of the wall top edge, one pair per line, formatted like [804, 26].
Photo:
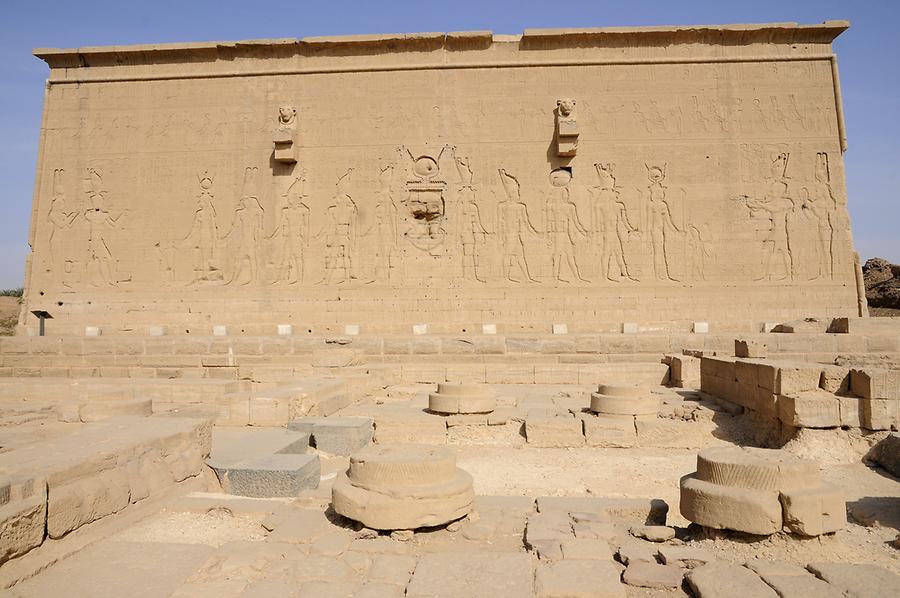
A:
[736, 34]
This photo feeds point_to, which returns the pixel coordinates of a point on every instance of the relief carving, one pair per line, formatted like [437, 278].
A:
[384, 227]
[100, 225]
[610, 225]
[472, 233]
[284, 137]
[203, 236]
[566, 127]
[60, 221]
[662, 226]
[513, 225]
[291, 232]
[341, 234]
[425, 202]
[563, 225]
[246, 231]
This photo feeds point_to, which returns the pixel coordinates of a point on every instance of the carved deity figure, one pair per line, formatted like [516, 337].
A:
[513, 224]
[824, 204]
[471, 229]
[292, 232]
[60, 221]
[609, 224]
[384, 226]
[562, 226]
[777, 205]
[100, 224]
[699, 250]
[661, 223]
[203, 236]
[247, 230]
[340, 232]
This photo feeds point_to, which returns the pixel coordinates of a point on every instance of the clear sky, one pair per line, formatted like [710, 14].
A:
[868, 55]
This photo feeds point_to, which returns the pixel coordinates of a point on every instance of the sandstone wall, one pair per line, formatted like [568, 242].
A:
[592, 177]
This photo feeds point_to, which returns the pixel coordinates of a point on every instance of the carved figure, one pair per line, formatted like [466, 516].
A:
[284, 136]
[566, 127]
[340, 234]
[824, 205]
[247, 229]
[562, 225]
[60, 221]
[700, 250]
[609, 224]
[471, 229]
[777, 205]
[425, 201]
[661, 222]
[203, 235]
[286, 115]
[292, 232]
[100, 223]
[384, 227]
[513, 223]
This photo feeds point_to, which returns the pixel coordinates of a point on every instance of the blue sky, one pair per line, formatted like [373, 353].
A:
[867, 53]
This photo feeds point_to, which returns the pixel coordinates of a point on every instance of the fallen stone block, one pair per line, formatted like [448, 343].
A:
[549, 432]
[271, 475]
[23, 513]
[85, 500]
[336, 435]
[727, 580]
[874, 383]
[609, 431]
[653, 575]
[814, 511]
[880, 414]
[796, 378]
[888, 454]
[809, 409]
[653, 533]
[747, 348]
[835, 379]
[730, 507]
[858, 580]
[636, 551]
[585, 578]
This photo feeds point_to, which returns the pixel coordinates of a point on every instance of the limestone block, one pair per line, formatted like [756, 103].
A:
[546, 527]
[220, 330]
[398, 429]
[403, 487]
[336, 435]
[610, 431]
[888, 454]
[156, 331]
[462, 398]
[835, 379]
[653, 575]
[632, 510]
[809, 409]
[730, 507]
[488, 329]
[750, 348]
[269, 411]
[653, 533]
[277, 475]
[337, 357]
[858, 580]
[560, 329]
[671, 433]
[420, 329]
[700, 327]
[873, 383]
[727, 580]
[75, 504]
[23, 512]
[629, 328]
[685, 371]
[550, 432]
[351, 329]
[285, 330]
[92, 411]
[880, 414]
[794, 379]
[92, 331]
[585, 578]
[472, 573]
[814, 511]
[633, 551]
[851, 411]
[586, 548]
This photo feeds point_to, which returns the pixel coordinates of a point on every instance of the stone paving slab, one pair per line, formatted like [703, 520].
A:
[474, 574]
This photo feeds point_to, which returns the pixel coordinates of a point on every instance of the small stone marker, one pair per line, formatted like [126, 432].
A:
[351, 329]
[92, 331]
[156, 331]
[488, 329]
[701, 327]
[629, 328]
[220, 330]
[285, 330]
[420, 329]
[560, 329]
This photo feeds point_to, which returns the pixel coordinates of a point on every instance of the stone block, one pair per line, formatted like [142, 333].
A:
[420, 329]
[686, 557]
[488, 329]
[700, 328]
[653, 575]
[730, 507]
[814, 511]
[472, 573]
[873, 383]
[749, 348]
[835, 379]
[809, 409]
[336, 435]
[85, 500]
[858, 580]
[586, 548]
[560, 329]
[351, 329]
[794, 379]
[609, 431]
[394, 429]
[267, 476]
[220, 330]
[550, 432]
[632, 510]
[92, 411]
[851, 411]
[337, 357]
[23, 513]
[727, 580]
[156, 331]
[285, 330]
[888, 454]
[880, 414]
[584, 578]
[633, 551]
[92, 331]
[629, 328]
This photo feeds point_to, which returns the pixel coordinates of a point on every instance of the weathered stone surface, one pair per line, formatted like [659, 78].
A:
[462, 398]
[754, 468]
[814, 511]
[652, 575]
[336, 435]
[726, 580]
[586, 548]
[636, 551]
[271, 475]
[653, 533]
[688, 557]
[889, 454]
[858, 580]
[650, 511]
[581, 578]
[625, 405]
[609, 431]
[792, 581]
[810, 409]
[730, 507]
[472, 574]
[23, 514]
[552, 432]
[748, 348]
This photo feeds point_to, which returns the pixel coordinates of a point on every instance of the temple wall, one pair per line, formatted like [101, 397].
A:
[588, 177]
